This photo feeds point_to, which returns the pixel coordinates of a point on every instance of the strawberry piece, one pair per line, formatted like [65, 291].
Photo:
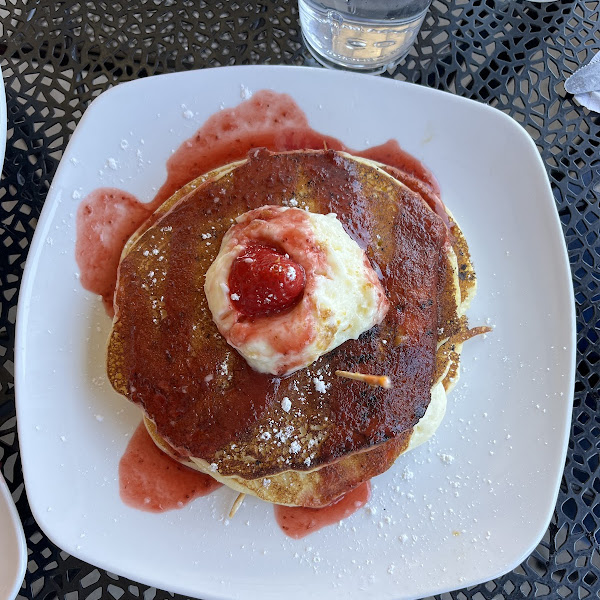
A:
[265, 281]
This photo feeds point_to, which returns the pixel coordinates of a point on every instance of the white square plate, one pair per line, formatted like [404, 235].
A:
[465, 508]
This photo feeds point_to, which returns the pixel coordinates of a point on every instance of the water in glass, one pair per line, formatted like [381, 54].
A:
[365, 35]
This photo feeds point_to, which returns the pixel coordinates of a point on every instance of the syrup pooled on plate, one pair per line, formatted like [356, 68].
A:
[151, 480]
[298, 521]
[105, 221]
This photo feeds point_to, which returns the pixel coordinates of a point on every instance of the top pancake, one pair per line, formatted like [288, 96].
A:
[166, 354]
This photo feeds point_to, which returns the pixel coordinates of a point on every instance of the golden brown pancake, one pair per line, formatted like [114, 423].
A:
[206, 407]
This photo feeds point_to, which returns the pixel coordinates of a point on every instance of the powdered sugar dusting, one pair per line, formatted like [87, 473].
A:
[320, 384]
[245, 93]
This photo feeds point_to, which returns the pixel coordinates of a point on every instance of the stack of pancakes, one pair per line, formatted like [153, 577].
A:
[308, 438]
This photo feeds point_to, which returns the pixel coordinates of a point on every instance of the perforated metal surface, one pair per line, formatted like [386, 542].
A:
[513, 55]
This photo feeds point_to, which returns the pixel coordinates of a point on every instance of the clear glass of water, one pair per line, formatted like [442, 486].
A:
[361, 35]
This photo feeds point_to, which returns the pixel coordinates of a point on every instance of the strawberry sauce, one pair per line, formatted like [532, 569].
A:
[107, 217]
[297, 521]
[105, 221]
[150, 480]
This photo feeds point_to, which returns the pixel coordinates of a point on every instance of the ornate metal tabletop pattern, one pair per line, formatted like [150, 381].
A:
[513, 55]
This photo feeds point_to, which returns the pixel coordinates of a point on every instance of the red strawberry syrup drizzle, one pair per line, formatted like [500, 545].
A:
[149, 479]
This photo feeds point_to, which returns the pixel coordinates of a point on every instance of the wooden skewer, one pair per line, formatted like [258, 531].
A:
[374, 380]
[236, 505]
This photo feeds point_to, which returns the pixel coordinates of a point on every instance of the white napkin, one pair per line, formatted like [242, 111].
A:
[591, 99]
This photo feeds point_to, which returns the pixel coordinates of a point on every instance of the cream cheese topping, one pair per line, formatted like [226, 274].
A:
[342, 298]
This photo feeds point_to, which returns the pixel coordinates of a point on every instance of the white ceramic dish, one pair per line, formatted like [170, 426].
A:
[465, 508]
[14, 548]
[13, 559]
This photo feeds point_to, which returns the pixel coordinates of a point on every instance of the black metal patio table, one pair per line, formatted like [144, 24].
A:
[57, 56]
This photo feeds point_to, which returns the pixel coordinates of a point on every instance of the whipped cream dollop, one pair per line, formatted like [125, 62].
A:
[341, 298]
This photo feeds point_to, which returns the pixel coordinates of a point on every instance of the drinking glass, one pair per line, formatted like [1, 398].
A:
[361, 35]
